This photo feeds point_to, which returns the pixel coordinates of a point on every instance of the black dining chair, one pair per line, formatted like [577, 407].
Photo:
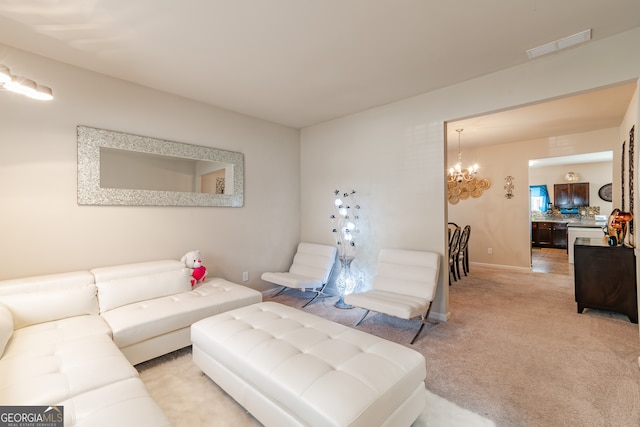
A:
[454, 246]
[463, 251]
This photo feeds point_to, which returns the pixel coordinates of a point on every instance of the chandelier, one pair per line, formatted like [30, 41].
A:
[458, 173]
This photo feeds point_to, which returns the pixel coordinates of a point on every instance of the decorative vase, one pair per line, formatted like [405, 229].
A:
[617, 225]
[345, 282]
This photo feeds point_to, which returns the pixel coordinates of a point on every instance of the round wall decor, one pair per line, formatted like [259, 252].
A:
[605, 192]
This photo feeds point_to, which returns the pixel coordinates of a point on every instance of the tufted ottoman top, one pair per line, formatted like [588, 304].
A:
[321, 372]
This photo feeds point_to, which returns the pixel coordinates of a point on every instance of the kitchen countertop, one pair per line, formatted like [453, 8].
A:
[587, 223]
[574, 222]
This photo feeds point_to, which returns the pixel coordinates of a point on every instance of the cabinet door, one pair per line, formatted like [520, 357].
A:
[571, 195]
[580, 194]
[605, 278]
[534, 233]
[561, 195]
[544, 233]
[559, 236]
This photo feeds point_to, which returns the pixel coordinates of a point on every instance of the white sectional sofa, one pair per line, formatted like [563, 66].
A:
[71, 339]
[150, 307]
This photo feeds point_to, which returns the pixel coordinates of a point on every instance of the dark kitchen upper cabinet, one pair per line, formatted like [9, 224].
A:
[572, 195]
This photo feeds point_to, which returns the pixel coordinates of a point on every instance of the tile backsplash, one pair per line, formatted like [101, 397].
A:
[584, 212]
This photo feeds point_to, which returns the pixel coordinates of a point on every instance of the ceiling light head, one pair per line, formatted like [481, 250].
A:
[563, 43]
[23, 85]
[571, 177]
[5, 74]
[42, 93]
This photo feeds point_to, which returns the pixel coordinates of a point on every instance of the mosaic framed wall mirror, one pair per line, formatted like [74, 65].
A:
[116, 168]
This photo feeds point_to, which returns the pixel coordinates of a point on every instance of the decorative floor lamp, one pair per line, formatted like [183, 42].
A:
[345, 227]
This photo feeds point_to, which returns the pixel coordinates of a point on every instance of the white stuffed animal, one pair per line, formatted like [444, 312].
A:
[198, 271]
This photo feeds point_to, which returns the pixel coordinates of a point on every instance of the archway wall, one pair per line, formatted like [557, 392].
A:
[395, 156]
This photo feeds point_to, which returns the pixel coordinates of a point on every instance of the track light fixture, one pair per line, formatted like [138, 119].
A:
[23, 85]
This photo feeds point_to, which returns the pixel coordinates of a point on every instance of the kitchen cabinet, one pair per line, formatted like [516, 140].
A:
[559, 235]
[548, 234]
[543, 235]
[605, 277]
[571, 195]
[534, 233]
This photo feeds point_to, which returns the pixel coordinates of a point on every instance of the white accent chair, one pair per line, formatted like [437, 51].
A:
[311, 268]
[404, 286]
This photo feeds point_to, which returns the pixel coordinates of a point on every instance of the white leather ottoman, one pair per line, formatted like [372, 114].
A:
[291, 368]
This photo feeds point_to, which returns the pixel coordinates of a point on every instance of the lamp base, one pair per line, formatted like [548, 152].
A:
[341, 304]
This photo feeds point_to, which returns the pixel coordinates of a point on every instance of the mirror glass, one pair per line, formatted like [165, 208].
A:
[116, 168]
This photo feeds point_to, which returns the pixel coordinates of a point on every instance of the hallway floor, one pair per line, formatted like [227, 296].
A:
[551, 260]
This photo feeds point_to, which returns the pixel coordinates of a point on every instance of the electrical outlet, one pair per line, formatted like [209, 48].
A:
[245, 276]
[490, 251]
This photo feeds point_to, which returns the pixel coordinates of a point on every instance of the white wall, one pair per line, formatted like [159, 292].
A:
[504, 224]
[42, 228]
[596, 174]
[394, 155]
[630, 121]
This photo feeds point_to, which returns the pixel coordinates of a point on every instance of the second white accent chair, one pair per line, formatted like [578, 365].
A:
[310, 270]
[404, 286]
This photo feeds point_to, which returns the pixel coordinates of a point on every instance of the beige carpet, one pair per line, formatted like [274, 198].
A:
[514, 351]
[191, 399]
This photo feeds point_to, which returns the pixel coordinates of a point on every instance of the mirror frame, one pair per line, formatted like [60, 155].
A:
[90, 140]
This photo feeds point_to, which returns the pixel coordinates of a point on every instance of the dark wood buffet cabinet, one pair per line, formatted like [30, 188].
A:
[605, 277]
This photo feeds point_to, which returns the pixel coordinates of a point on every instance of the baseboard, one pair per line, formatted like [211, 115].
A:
[501, 267]
[271, 291]
[441, 317]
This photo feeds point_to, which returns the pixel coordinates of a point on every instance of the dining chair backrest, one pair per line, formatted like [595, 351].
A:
[454, 243]
[451, 226]
[464, 238]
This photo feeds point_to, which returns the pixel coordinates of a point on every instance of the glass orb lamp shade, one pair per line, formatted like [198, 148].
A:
[571, 177]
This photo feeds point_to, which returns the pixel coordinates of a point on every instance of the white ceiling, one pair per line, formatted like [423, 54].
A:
[600, 156]
[601, 109]
[300, 62]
